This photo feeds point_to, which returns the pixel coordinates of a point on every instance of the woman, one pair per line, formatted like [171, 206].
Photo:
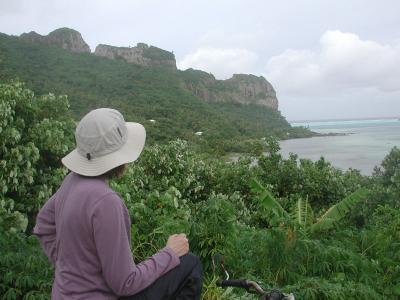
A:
[84, 228]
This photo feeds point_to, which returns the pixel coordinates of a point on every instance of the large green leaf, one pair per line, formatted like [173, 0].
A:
[339, 210]
[267, 200]
[303, 214]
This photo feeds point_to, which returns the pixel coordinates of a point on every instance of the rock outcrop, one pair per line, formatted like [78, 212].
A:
[142, 54]
[241, 88]
[65, 38]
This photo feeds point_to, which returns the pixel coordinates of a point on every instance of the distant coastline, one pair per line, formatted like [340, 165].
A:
[344, 119]
[345, 123]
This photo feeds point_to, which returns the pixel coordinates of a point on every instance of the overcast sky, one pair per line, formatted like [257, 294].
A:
[326, 59]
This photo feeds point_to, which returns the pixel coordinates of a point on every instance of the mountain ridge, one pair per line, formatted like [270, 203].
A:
[240, 88]
[142, 94]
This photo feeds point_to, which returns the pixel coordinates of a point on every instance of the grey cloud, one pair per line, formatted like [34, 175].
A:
[343, 60]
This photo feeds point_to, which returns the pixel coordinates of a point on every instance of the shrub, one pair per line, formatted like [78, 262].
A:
[34, 133]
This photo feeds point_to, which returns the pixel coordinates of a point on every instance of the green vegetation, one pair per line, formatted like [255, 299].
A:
[259, 217]
[141, 94]
[157, 53]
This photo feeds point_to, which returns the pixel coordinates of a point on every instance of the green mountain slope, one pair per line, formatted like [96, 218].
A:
[141, 93]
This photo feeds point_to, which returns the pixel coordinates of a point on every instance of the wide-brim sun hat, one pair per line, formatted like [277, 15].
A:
[104, 141]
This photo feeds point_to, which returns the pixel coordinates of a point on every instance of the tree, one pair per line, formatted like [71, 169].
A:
[35, 132]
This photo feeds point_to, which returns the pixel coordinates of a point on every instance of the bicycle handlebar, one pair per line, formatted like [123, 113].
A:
[243, 283]
[234, 282]
[252, 286]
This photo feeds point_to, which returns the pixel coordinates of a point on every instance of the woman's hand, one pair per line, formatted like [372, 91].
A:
[178, 243]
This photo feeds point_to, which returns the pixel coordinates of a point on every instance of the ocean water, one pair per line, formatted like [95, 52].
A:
[363, 145]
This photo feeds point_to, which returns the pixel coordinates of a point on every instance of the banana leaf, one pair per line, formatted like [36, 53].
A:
[267, 200]
[339, 210]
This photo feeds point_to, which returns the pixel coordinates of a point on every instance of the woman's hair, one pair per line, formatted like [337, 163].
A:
[115, 173]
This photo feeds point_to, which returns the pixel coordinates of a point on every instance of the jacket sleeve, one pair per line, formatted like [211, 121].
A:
[45, 229]
[111, 238]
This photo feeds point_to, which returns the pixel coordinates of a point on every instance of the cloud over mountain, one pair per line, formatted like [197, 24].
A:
[341, 61]
[221, 62]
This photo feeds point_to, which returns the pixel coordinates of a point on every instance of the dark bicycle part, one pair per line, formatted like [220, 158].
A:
[254, 287]
[250, 286]
[274, 295]
[218, 259]
[243, 283]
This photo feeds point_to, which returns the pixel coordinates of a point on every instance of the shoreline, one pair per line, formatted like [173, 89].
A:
[318, 134]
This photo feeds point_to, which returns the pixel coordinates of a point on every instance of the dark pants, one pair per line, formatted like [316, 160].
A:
[181, 283]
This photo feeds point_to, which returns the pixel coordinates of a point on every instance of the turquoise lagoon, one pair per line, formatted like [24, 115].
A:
[361, 144]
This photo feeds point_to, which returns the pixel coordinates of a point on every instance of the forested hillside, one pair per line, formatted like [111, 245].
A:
[141, 94]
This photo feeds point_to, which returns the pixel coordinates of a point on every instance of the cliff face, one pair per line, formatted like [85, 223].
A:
[241, 88]
[142, 54]
[65, 38]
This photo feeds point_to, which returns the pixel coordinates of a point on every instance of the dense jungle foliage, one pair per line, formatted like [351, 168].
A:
[141, 94]
[301, 226]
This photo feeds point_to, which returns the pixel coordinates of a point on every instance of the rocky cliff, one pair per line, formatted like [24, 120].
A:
[142, 54]
[65, 38]
[241, 88]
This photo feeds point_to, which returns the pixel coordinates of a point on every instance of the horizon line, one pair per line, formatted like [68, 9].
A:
[343, 119]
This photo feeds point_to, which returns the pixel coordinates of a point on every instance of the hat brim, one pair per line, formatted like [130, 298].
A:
[96, 166]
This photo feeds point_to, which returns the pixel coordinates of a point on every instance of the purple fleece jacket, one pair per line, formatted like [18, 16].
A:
[84, 229]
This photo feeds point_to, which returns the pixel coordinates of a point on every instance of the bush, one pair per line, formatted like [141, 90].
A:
[25, 271]
[34, 133]
[319, 182]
